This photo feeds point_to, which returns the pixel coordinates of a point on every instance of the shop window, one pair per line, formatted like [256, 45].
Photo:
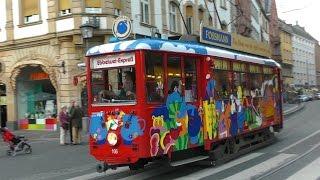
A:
[64, 7]
[174, 75]
[30, 10]
[145, 11]
[154, 77]
[190, 75]
[222, 77]
[93, 6]
[36, 97]
[116, 85]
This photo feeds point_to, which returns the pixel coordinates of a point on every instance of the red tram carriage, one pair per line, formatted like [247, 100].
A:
[152, 98]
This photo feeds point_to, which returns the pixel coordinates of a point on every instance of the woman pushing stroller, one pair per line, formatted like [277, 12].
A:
[15, 143]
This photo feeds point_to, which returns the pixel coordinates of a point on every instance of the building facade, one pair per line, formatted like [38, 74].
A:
[42, 42]
[286, 53]
[271, 10]
[304, 70]
[318, 64]
[40, 46]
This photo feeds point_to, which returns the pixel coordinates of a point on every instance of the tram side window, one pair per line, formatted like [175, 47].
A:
[240, 79]
[255, 80]
[221, 75]
[174, 75]
[190, 75]
[97, 81]
[154, 76]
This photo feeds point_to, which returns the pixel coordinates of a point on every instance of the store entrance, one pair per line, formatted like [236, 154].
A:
[36, 98]
[3, 105]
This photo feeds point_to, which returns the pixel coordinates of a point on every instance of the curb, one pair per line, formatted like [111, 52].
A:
[294, 109]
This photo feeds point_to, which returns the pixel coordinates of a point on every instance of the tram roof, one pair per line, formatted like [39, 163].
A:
[177, 46]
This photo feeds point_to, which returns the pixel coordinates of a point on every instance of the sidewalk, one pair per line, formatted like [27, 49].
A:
[289, 109]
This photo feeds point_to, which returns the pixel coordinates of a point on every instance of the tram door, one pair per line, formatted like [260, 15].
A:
[3, 106]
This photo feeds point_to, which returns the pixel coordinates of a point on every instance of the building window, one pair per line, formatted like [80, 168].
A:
[117, 12]
[64, 7]
[145, 11]
[189, 14]
[201, 15]
[223, 4]
[30, 11]
[117, 7]
[93, 6]
[172, 17]
[210, 21]
[254, 12]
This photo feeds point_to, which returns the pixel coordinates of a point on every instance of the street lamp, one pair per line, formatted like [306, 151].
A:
[87, 32]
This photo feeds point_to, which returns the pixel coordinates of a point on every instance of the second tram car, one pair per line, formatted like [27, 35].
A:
[151, 99]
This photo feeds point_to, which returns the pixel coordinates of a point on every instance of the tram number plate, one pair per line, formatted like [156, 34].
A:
[115, 151]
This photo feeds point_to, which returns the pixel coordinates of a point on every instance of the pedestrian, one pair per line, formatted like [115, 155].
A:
[70, 122]
[64, 125]
[76, 115]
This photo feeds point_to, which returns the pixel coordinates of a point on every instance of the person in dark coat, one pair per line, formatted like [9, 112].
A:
[70, 122]
[64, 123]
[76, 115]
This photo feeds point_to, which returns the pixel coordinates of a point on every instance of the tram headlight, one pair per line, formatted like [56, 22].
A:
[112, 138]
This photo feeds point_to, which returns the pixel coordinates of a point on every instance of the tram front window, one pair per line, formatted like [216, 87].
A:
[116, 85]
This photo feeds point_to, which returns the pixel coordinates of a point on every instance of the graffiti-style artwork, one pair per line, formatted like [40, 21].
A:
[97, 129]
[176, 125]
[210, 120]
[131, 128]
[104, 128]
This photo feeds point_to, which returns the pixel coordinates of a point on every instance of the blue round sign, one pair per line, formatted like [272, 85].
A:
[122, 27]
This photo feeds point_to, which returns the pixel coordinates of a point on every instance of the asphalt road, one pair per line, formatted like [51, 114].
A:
[295, 155]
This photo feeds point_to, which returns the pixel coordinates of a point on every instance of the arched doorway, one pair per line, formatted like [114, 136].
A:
[3, 105]
[36, 98]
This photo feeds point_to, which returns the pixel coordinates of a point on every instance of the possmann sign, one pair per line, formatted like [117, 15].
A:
[109, 61]
[234, 41]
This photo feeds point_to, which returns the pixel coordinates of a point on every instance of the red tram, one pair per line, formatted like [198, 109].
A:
[152, 99]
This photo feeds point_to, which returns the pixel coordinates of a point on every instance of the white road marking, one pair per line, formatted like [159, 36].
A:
[309, 172]
[298, 142]
[96, 175]
[209, 171]
[262, 167]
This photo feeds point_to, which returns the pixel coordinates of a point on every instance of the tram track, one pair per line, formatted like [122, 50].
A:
[290, 162]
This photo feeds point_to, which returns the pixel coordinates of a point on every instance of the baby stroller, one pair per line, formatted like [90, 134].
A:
[15, 143]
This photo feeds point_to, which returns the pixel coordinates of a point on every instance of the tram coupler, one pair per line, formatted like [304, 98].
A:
[102, 167]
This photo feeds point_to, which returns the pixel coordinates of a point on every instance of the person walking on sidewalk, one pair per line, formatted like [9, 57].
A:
[64, 124]
[76, 120]
[70, 122]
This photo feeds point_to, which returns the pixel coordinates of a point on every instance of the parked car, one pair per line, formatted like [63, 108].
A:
[310, 97]
[317, 95]
[303, 98]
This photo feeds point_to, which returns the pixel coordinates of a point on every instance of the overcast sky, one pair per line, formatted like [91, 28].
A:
[306, 12]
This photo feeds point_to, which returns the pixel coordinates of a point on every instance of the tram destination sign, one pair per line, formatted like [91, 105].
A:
[108, 61]
[233, 41]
